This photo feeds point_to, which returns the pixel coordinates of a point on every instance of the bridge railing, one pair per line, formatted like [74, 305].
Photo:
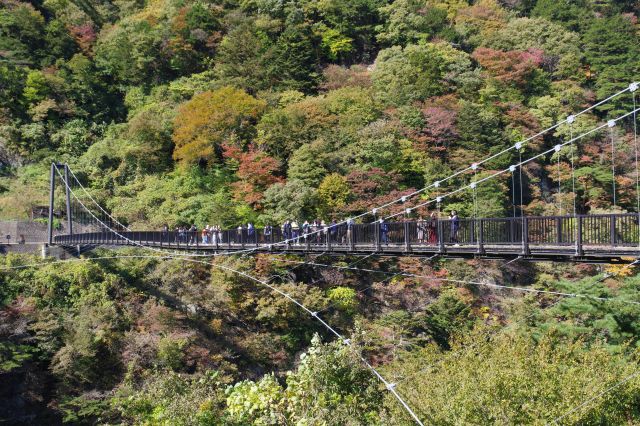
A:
[613, 230]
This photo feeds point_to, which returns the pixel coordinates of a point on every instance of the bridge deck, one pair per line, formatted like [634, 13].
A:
[595, 238]
[616, 254]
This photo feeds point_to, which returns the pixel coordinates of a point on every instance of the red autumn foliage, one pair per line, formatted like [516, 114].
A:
[439, 129]
[371, 188]
[518, 117]
[256, 172]
[512, 67]
[85, 36]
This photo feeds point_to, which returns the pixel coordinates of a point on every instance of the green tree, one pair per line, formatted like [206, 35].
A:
[333, 194]
[94, 95]
[352, 19]
[171, 353]
[487, 377]
[12, 84]
[75, 137]
[60, 44]
[131, 52]
[410, 22]
[574, 16]
[306, 165]
[168, 397]
[294, 65]
[447, 316]
[612, 48]
[243, 57]
[344, 298]
[36, 87]
[336, 45]
[344, 391]
[479, 128]
[416, 72]
[293, 200]
[22, 28]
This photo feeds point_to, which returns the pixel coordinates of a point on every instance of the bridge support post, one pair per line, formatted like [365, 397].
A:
[67, 191]
[52, 188]
[480, 236]
[472, 231]
[441, 247]
[407, 238]
[612, 230]
[327, 235]
[377, 236]
[579, 249]
[351, 230]
[525, 237]
[559, 230]
[512, 230]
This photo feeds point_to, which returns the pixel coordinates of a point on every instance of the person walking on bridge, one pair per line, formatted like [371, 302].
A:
[349, 232]
[213, 231]
[218, 233]
[295, 232]
[315, 228]
[421, 226]
[286, 231]
[432, 228]
[267, 233]
[384, 232]
[205, 235]
[333, 231]
[193, 234]
[305, 230]
[250, 232]
[239, 234]
[165, 233]
[455, 226]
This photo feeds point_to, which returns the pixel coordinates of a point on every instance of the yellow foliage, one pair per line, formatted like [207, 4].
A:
[216, 325]
[483, 18]
[619, 270]
[333, 193]
[209, 119]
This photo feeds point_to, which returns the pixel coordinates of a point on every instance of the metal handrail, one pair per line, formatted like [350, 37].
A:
[602, 230]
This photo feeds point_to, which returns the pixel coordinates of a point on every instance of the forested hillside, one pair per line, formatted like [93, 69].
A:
[184, 112]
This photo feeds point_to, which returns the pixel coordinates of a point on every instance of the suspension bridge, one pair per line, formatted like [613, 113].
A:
[571, 237]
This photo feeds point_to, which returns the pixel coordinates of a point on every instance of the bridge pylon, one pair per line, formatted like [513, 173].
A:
[55, 168]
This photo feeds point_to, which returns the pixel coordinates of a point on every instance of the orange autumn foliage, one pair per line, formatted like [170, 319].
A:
[256, 172]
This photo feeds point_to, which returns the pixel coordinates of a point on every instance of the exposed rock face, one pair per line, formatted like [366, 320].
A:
[7, 157]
